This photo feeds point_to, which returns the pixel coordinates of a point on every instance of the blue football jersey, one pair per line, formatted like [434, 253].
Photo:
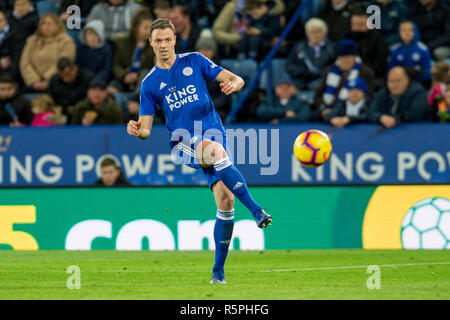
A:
[181, 92]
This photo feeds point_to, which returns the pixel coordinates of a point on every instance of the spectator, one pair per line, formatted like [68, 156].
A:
[333, 86]
[111, 175]
[98, 108]
[285, 106]
[392, 13]
[432, 19]
[444, 108]
[45, 112]
[208, 47]
[133, 108]
[372, 46]
[9, 47]
[403, 100]
[133, 55]
[15, 109]
[354, 109]
[116, 16]
[412, 54]
[437, 94]
[43, 50]
[161, 9]
[69, 85]
[24, 20]
[336, 14]
[261, 29]
[94, 53]
[187, 31]
[309, 58]
[232, 22]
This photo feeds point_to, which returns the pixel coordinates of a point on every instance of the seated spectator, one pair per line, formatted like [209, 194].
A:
[69, 85]
[187, 31]
[354, 109]
[444, 108]
[9, 47]
[309, 58]
[261, 29]
[45, 112]
[392, 12]
[208, 47]
[94, 53]
[98, 108]
[336, 14]
[133, 108]
[161, 9]
[284, 106]
[436, 96]
[411, 54]
[15, 109]
[116, 16]
[333, 86]
[431, 17]
[133, 55]
[43, 50]
[24, 20]
[232, 22]
[372, 46]
[403, 100]
[111, 175]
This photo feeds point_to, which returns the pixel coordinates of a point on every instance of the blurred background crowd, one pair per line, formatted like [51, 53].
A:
[331, 67]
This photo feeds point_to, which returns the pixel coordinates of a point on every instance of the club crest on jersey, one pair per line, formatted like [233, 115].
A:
[187, 71]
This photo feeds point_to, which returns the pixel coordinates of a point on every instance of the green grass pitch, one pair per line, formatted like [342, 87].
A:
[271, 274]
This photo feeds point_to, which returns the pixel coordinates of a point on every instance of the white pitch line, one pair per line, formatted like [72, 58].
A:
[355, 267]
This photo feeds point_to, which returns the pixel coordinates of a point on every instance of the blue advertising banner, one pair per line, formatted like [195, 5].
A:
[362, 154]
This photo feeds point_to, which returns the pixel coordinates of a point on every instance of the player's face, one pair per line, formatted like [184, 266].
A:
[163, 43]
[109, 175]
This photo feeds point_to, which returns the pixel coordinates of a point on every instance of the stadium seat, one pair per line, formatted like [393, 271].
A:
[277, 72]
[42, 7]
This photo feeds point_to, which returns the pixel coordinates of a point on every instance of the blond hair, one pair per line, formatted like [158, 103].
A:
[56, 20]
[44, 101]
[316, 23]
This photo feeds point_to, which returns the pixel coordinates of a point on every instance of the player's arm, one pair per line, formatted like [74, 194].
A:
[229, 82]
[140, 128]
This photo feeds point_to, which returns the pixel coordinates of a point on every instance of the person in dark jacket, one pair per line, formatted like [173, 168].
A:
[333, 86]
[9, 47]
[262, 29]
[403, 100]
[392, 13]
[309, 58]
[15, 109]
[24, 20]
[284, 106]
[336, 14]
[354, 109]
[133, 56]
[69, 85]
[412, 54]
[372, 46]
[432, 19]
[94, 53]
[187, 31]
[98, 108]
[111, 175]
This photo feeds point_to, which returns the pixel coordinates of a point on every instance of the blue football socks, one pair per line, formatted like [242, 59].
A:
[223, 230]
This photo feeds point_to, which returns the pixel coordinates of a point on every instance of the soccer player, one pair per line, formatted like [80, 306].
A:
[177, 84]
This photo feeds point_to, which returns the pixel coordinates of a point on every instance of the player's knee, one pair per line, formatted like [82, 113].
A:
[209, 152]
[227, 202]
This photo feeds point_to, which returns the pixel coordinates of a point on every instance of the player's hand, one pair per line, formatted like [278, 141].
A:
[133, 128]
[228, 87]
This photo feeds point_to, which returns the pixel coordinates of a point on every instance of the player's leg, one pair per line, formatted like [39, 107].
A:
[223, 229]
[210, 153]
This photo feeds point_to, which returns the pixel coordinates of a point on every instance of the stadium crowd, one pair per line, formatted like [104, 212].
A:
[333, 67]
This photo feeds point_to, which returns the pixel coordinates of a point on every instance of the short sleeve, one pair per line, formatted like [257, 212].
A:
[209, 69]
[147, 105]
